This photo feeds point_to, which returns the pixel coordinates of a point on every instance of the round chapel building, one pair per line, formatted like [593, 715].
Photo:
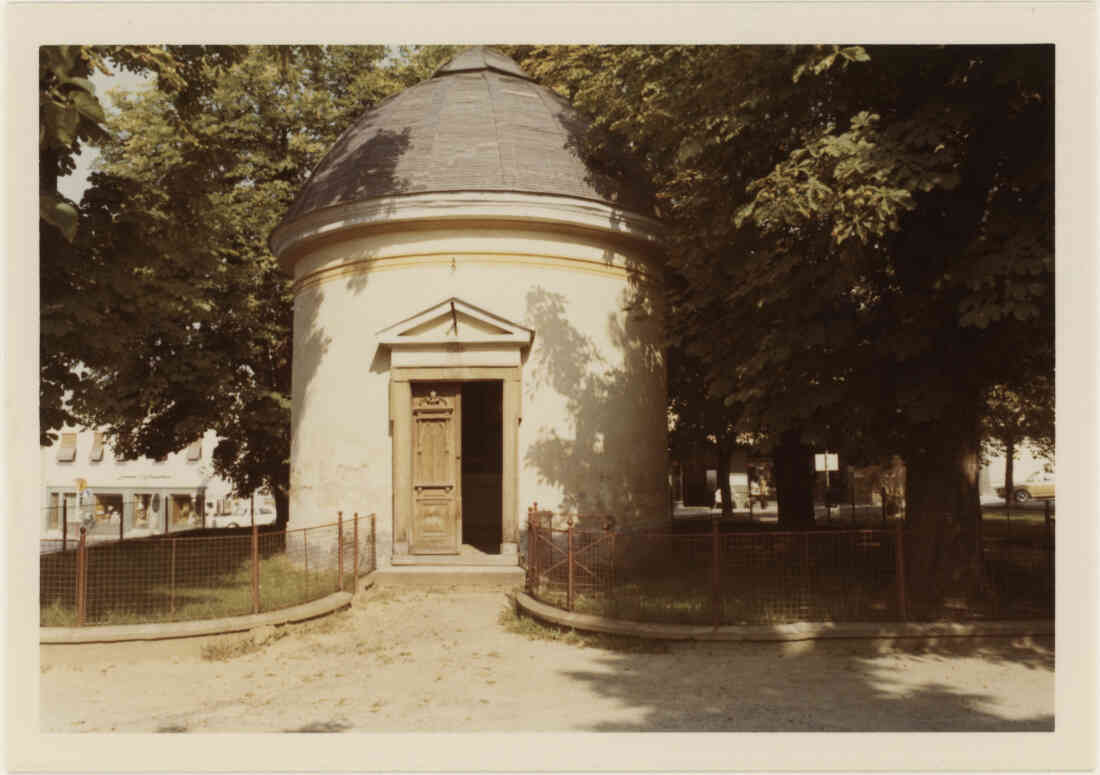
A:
[477, 324]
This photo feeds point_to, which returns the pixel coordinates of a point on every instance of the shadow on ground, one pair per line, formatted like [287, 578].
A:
[833, 686]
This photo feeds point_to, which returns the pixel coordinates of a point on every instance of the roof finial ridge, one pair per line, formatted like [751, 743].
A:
[478, 58]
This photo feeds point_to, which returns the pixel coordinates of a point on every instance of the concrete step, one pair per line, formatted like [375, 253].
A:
[481, 576]
[465, 558]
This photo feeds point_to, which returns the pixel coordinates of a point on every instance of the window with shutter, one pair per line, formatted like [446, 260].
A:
[97, 447]
[194, 452]
[66, 453]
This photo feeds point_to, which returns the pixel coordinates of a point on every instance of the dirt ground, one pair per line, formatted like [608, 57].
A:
[455, 660]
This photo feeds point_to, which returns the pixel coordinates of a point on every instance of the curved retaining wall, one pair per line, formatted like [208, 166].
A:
[781, 632]
[165, 630]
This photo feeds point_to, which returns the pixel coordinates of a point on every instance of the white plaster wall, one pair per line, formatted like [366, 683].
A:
[593, 435]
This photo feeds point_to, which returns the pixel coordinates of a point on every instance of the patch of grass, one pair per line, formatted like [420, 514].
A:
[232, 646]
[224, 649]
[129, 596]
[57, 614]
[518, 623]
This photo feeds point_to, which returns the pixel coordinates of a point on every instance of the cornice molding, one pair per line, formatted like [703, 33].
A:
[452, 208]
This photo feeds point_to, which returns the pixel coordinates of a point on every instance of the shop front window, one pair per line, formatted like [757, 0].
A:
[182, 514]
[146, 512]
[108, 511]
[53, 512]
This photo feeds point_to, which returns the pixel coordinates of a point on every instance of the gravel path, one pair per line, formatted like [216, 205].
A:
[461, 661]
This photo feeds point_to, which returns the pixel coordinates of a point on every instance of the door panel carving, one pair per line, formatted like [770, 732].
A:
[437, 454]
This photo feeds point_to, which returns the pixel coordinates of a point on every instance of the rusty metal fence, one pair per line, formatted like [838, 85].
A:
[179, 578]
[725, 576]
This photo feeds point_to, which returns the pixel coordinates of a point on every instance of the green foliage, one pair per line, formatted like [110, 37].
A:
[857, 235]
[174, 307]
[72, 116]
[1026, 412]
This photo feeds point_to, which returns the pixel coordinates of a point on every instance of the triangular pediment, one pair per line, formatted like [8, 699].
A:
[456, 321]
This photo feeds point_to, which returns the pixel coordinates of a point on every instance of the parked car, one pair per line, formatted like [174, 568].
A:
[1039, 485]
[242, 517]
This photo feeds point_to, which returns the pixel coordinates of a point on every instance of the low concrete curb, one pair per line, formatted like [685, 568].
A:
[782, 632]
[165, 630]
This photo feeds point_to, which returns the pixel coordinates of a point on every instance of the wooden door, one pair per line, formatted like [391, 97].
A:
[437, 467]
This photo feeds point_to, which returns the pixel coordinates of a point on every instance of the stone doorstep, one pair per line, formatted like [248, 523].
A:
[482, 576]
[456, 560]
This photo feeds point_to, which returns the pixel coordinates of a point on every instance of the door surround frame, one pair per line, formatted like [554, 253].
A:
[401, 427]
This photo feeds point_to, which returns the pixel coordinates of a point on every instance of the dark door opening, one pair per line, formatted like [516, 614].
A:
[482, 465]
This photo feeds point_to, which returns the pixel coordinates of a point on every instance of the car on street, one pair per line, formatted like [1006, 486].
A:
[242, 517]
[1039, 485]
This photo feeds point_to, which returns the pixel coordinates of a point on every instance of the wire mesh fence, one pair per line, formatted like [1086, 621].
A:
[179, 578]
[1019, 555]
[731, 576]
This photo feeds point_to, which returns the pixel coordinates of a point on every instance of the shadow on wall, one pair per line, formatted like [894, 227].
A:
[613, 173]
[614, 462]
[354, 169]
[366, 166]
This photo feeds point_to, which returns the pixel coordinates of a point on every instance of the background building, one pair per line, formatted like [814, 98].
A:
[141, 496]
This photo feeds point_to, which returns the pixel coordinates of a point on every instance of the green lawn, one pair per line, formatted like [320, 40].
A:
[766, 599]
[771, 579]
[283, 583]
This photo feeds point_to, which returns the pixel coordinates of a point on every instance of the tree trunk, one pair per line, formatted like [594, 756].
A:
[282, 507]
[1010, 459]
[794, 482]
[724, 452]
[943, 513]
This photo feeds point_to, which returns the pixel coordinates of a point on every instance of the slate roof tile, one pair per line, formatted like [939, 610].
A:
[478, 124]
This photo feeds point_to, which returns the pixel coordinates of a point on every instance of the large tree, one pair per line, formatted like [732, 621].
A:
[191, 325]
[865, 237]
[71, 118]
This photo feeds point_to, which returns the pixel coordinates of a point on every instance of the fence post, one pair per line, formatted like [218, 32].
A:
[255, 569]
[899, 551]
[1050, 545]
[538, 547]
[529, 581]
[355, 556]
[64, 524]
[172, 581]
[852, 483]
[715, 578]
[569, 556]
[340, 550]
[81, 578]
[611, 548]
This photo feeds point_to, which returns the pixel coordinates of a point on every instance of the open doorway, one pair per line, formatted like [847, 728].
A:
[482, 465]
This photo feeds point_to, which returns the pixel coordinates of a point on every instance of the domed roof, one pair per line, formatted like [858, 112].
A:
[478, 124]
